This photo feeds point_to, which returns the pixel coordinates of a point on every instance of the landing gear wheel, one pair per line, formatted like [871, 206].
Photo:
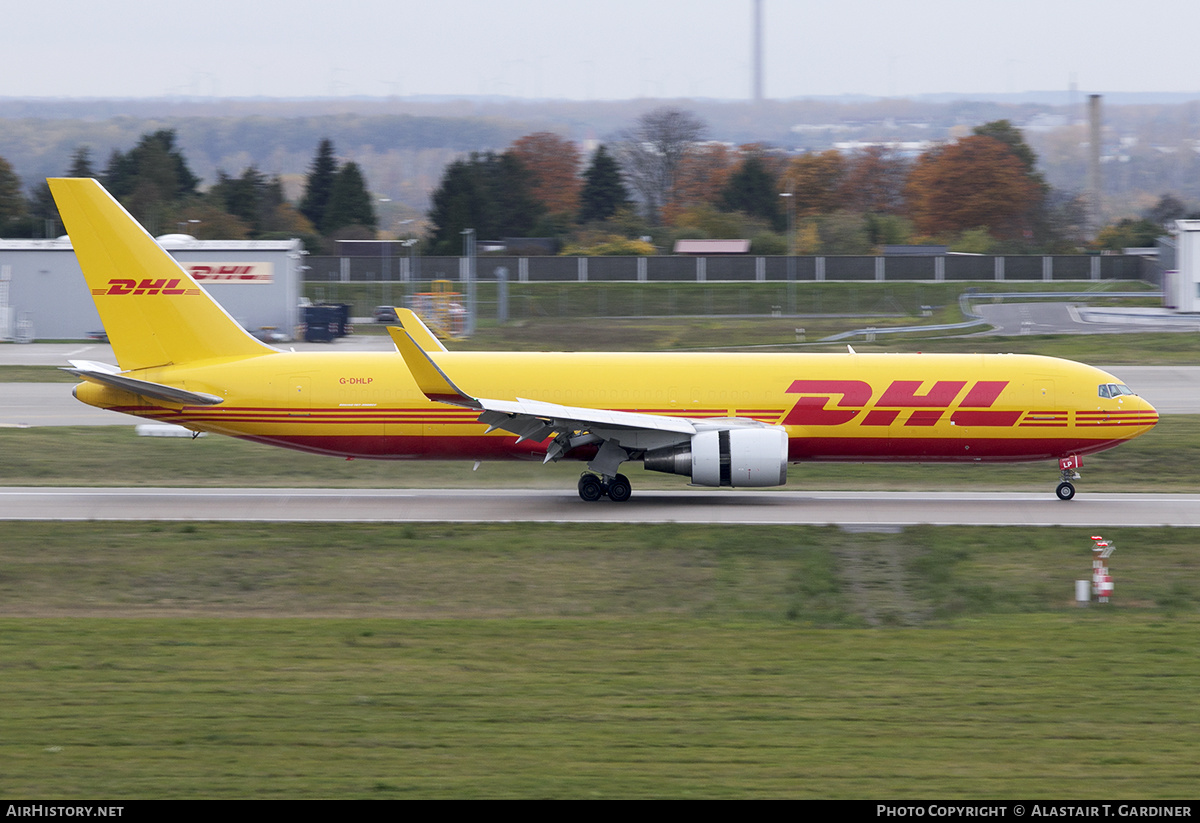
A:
[619, 489]
[590, 488]
[1065, 490]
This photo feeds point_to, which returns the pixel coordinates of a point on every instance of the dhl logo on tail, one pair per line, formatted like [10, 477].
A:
[146, 286]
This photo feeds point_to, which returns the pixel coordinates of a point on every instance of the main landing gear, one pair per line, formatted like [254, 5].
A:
[592, 487]
[1067, 473]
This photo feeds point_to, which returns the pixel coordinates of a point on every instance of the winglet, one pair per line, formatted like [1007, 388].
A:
[412, 324]
[431, 380]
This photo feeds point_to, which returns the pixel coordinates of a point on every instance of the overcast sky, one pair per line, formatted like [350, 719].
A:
[592, 49]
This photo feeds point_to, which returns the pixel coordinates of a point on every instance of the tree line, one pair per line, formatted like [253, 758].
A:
[154, 183]
[662, 180]
[658, 181]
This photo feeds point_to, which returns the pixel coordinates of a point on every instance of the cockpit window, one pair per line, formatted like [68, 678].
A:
[1114, 389]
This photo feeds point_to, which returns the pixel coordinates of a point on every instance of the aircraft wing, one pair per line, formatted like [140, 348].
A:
[107, 375]
[536, 420]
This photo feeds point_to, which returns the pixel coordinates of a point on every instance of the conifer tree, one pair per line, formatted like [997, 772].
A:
[349, 201]
[752, 191]
[603, 190]
[81, 163]
[319, 185]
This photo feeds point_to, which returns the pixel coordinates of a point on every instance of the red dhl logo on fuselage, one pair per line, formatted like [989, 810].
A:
[902, 395]
[145, 286]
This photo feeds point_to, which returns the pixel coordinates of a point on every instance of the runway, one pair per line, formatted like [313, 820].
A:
[851, 510]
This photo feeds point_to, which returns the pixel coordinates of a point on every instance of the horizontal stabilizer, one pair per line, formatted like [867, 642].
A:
[107, 375]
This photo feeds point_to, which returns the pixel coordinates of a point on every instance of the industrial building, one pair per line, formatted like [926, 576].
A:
[43, 294]
[1181, 287]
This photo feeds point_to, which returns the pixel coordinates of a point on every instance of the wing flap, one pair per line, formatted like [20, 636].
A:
[599, 418]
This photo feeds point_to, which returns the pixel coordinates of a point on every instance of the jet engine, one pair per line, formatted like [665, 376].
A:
[739, 457]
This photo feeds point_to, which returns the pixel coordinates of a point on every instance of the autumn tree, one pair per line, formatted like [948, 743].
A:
[815, 182]
[873, 181]
[553, 166]
[975, 182]
[653, 151]
[603, 192]
[206, 219]
[703, 173]
[1128, 233]
[1047, 225]
[1010, 135]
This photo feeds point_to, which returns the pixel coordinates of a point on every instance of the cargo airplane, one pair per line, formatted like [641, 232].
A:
[718, 419]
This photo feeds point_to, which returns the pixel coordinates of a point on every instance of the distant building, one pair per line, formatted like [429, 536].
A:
[708, 247]
[1181, 287]
[42, 287]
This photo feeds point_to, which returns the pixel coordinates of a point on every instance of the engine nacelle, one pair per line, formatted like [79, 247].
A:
[739, 457]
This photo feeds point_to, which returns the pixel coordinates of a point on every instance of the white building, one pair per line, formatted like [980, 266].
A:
[43, 292]
[1181, 288]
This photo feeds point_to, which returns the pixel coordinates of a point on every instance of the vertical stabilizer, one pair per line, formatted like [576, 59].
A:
[155, 314]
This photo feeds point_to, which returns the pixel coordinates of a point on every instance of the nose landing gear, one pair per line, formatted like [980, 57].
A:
[1067, 473]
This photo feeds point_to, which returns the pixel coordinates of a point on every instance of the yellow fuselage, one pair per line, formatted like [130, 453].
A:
[850, 407]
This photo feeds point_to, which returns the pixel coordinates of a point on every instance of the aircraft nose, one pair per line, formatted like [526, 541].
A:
[1146, 413]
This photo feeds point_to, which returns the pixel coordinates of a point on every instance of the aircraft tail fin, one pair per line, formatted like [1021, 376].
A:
[155, 314]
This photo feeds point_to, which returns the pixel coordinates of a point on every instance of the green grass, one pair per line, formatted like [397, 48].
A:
[35, 374]
[558, 300]
[640, 661]
[1163, 460]
[819, 576]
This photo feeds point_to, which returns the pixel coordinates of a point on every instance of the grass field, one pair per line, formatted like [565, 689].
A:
[541, 661]
[198, 660]
[905, 301]
[1164, 459]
